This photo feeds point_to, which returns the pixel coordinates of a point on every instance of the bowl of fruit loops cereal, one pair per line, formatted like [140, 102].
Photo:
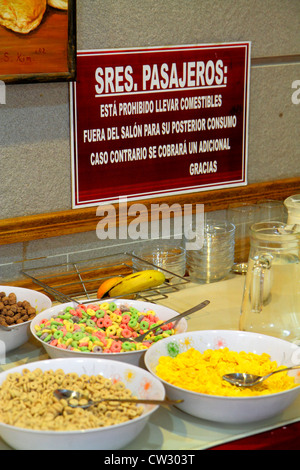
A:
[18, 306]
[191, 366]
[104, 329]
[32, 418]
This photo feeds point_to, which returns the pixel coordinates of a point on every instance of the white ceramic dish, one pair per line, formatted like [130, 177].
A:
[138, 380]
[19, 334]
[228, 409]
[131, 357]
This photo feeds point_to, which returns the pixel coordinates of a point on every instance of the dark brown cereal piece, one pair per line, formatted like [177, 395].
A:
[17, 316]
[12, 298]
[3, 321]
[31, 311]
[10, 313]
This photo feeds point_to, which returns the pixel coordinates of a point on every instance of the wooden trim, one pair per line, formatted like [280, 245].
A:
[275, 60]
[23, 229]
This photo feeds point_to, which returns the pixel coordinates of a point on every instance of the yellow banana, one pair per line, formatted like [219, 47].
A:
[136, 282]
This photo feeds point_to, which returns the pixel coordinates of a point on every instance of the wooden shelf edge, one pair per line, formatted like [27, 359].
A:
[47, 225]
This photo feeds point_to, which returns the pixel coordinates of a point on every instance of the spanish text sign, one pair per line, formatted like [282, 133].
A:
[159, 121]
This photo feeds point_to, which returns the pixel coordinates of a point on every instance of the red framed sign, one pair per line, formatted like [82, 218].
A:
[159, 121]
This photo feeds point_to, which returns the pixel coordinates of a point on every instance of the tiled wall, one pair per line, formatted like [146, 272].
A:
[35, 164]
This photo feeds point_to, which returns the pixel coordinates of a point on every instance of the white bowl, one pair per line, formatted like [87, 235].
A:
[131, 357]
[20, 333]
[138, 380]
[233, 410]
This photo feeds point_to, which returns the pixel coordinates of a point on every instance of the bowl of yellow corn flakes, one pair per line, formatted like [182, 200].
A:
[33, 418]
[192, 364]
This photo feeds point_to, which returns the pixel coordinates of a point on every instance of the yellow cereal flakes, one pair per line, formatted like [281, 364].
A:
[202, 372]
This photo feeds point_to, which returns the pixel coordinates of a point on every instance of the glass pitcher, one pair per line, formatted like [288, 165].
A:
[271, 297]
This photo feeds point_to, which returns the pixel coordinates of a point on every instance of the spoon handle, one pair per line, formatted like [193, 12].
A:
[186, 313]
[282, 370]
[176, 319]
[130, 400]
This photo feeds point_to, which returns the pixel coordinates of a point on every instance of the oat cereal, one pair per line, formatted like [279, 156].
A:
[27, 401]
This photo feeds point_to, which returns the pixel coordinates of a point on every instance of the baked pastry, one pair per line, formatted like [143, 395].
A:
[22, 16]
[61, 4]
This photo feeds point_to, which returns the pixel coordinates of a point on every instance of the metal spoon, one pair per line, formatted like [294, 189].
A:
[71, 394]
[171, 320]
[248, 380]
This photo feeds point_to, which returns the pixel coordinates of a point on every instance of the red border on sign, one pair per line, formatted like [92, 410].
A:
[153, 122]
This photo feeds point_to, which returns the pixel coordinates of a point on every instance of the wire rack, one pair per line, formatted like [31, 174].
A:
[79, 281]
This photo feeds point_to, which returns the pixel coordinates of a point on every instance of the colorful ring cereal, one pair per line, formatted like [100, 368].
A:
[99, 328]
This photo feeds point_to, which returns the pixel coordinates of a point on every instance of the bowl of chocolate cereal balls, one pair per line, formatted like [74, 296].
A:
[33, 417]
[18, 307]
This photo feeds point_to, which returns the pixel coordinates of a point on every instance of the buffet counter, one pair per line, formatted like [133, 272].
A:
[169, 428]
